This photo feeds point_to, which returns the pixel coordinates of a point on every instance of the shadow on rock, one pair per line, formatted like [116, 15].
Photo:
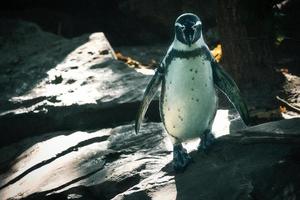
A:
[96, 165]
[58, 155]
[246, 165]
[74, 84]
[27, 54]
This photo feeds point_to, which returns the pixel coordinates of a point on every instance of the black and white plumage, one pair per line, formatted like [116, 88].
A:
[189, 76]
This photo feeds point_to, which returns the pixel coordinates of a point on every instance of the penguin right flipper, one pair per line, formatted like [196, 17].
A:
[227, 85]
[149, 94]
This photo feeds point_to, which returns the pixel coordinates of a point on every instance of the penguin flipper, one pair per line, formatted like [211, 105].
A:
[227, 85]
[149, 94]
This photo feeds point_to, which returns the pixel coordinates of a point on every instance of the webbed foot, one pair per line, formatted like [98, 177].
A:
[181, 159]
[206, 140]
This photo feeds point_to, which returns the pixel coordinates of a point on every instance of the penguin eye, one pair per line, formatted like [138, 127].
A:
[182, 27]
[195, 26]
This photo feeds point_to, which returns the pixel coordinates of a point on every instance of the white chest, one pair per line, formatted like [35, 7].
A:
[189, 101]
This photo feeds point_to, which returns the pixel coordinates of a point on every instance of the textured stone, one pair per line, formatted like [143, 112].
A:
[118, 164]
[71, 163]
[60, 84]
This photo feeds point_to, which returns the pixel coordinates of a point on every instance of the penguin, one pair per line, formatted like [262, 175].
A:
[189, 77]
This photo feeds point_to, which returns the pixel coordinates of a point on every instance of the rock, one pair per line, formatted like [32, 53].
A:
[118, 164]
[277, 127]
[27, 53]
[148, 56]
[60, 84]
[69, 164]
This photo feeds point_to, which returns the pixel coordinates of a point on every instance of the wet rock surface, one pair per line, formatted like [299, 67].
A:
[68, 106]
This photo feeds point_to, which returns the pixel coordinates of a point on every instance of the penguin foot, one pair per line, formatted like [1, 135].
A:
[206, 140]
[181, 159]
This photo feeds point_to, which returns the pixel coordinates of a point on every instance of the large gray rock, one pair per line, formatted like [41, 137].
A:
[118, 164]
[51, 83]
[71, 163]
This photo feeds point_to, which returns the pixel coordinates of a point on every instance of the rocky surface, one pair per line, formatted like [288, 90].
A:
[110, 160]
[67, 107]
[51, 83]
[254, 163]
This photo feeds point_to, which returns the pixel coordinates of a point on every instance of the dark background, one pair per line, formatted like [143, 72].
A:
[141, 22]
[133, 21]
[128, 22]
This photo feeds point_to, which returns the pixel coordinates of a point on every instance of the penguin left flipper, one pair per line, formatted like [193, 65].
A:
[149, 94]
[227, 85]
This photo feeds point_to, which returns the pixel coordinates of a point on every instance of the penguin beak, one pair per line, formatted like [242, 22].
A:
[189, 40]
[189, 37]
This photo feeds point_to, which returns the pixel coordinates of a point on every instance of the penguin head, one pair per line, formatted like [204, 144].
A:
[188, 28]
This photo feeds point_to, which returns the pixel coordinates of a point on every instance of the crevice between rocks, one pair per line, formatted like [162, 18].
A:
[63, 153]
[74, 117]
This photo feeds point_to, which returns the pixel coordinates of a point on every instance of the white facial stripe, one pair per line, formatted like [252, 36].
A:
[197, 23]
[182, 27]
[194, 28]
